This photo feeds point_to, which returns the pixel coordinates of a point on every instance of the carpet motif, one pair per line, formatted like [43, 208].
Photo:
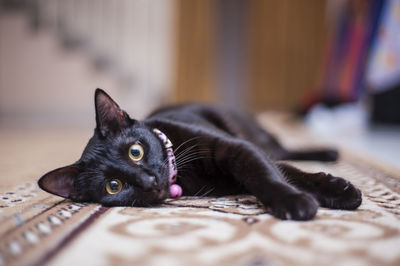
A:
[237, 230]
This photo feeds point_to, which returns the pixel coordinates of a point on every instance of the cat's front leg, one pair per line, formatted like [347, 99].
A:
[262, 178]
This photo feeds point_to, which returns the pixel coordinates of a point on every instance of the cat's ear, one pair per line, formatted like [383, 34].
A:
[110, 118]
[61, 182]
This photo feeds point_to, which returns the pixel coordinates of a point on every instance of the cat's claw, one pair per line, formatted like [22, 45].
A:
[298, 206]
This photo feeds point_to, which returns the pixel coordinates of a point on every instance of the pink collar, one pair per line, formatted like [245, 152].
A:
[175, 190]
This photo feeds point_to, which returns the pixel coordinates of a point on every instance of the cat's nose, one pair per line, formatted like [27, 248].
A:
[149, 182]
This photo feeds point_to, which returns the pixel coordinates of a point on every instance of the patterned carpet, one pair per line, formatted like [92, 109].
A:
[37, 228]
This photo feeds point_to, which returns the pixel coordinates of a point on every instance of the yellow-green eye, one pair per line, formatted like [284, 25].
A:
[114, 186]
[136, 152]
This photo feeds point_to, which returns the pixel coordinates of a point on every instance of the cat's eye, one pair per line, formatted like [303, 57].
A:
[114, 186]
[136, 152]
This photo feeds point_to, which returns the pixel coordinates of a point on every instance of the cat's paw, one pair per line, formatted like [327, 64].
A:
[299, 206]
[337, 193]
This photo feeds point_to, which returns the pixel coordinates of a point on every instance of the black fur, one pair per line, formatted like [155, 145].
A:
[219, 152]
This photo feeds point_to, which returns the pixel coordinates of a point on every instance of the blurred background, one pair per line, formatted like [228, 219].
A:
[337, 62]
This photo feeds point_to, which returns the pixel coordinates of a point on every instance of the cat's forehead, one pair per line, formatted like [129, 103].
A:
[139, 135]
[134, 134]
[114, 146]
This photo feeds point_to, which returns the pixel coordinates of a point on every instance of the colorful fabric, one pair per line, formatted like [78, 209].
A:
[354, 28]
[384, 66]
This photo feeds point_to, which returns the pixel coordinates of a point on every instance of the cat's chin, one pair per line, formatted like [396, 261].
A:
[156, 196]
[162, 195]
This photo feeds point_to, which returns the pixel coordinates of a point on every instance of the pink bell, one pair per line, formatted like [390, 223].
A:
[175, 191]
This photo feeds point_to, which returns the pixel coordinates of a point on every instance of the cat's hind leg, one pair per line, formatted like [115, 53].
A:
[330, 191]
[254, 133]
[323, 155]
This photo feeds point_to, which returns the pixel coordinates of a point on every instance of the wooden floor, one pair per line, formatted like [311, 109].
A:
[26, 154]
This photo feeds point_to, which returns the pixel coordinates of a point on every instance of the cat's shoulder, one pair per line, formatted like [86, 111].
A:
[202, 109]
[194, 115]
[190, 107]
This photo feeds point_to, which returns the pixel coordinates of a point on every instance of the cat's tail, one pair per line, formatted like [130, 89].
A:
[324, 155]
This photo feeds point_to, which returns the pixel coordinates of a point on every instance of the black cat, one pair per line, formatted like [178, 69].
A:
[216, 152]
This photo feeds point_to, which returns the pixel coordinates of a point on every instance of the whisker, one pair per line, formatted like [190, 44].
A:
[194, 152]
[190, 152]
[192, 155]
[133, 203]
[182, 160]
[178, 155]
[185, 169]
[185, 151]
[191, 160]
[201, 189]
[208, 192]
[183, 143]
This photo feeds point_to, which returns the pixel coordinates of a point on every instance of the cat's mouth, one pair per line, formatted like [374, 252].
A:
[162, 194]
[154, 196]
[161, 189]
[158, 193]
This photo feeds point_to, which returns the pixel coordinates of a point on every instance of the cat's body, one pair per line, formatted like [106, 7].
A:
[218, 152]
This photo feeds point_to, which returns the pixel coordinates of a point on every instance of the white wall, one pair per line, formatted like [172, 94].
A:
[42, 83]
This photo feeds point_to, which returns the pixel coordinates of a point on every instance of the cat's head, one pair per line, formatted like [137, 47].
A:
[124, 163]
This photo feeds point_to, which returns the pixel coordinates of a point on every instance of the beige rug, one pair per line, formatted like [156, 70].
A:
[37, 228]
